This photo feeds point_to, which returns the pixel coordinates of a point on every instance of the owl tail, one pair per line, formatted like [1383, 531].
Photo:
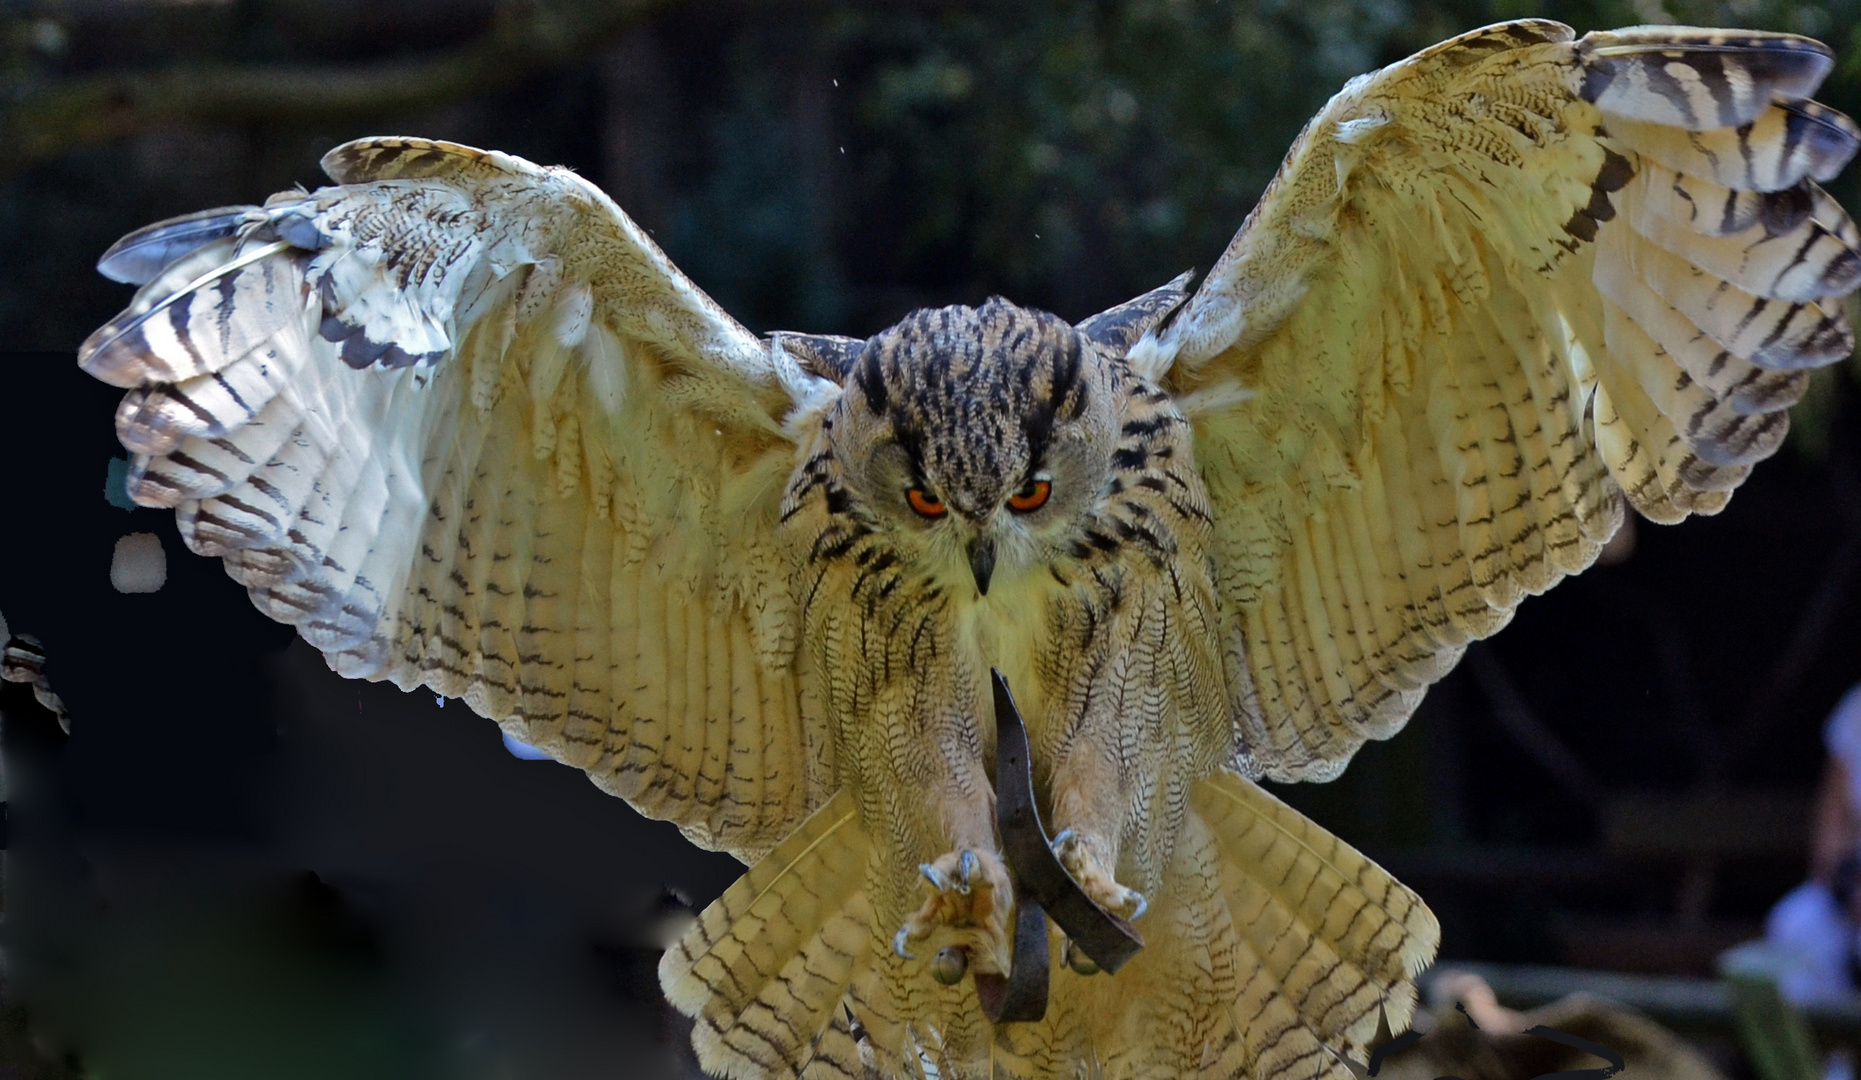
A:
[764, 969]
[1274, 950]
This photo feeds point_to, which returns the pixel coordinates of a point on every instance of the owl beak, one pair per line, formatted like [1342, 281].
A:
[982, 561]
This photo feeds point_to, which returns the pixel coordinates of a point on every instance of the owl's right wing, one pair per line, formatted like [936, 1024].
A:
[461, 423]
[1498, 291]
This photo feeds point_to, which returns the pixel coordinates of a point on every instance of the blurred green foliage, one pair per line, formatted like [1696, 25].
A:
[1071, 155]
[1079, 152]
[816, 165]
[834, 161]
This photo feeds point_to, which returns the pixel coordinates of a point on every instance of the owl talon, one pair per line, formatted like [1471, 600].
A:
[940, 880]
[1075, 852]
[971, 899]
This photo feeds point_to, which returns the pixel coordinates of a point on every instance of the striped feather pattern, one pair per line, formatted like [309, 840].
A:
[1331, 936]
[765, 968]
[1273, 949]
[1695, 80]
[1711, 209]
[1790, 142]
[184, 322]
[409, 417]
[1497, 290]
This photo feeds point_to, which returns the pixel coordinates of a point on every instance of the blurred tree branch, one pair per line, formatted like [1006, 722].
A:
[522, 40]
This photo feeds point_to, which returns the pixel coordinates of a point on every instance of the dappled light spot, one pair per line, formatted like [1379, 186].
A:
[139, 565]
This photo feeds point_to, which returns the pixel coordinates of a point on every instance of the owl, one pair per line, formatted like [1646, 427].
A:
[460, 421]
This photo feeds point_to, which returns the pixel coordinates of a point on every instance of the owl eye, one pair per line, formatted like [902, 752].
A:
[1031, 497]
[925, 503]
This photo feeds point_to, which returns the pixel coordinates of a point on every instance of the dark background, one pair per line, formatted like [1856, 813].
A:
[239, 865]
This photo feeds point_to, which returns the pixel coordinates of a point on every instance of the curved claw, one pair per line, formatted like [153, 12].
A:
[937, 878]
[969, 865]
[898, 944]
[1065, 835]
[1143, 905]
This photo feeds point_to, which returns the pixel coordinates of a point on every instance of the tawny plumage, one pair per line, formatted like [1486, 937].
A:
[461, 422]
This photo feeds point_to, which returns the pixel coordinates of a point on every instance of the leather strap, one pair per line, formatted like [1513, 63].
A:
[1042, 886]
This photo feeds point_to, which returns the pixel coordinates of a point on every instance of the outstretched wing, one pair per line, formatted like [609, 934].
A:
[1494, 289]
[462, 424]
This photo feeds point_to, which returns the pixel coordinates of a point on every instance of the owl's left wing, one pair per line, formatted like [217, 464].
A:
[463, 424]
[1496, 288]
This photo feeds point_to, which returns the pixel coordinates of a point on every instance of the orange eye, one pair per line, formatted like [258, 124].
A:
[1030, 498]
[925, 503]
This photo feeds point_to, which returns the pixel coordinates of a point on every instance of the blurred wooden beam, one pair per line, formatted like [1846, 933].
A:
[1677, 1001]
[521, 41]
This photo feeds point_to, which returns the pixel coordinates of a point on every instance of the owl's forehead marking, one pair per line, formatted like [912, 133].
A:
[973, 394]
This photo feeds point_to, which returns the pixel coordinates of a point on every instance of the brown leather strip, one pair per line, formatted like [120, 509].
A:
[1022, 996]
[1037, 873]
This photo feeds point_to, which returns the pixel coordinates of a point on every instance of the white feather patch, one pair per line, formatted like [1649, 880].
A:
[1357, 130]
[573, 309]
[607, 369]
[1150, 357]
[139, 565]
[1215, 397]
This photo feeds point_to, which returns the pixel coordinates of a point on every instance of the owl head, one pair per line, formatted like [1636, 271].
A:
[980, 440]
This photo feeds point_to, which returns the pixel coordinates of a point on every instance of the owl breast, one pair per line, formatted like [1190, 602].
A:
[1012, 630]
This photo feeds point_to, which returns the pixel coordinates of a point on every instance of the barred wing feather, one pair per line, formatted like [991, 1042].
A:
[463, 425]
[1497, 290]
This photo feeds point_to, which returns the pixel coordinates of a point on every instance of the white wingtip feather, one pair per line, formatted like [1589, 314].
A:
[1150, 358]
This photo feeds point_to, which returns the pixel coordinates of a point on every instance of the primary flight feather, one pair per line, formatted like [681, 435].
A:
[463, 424]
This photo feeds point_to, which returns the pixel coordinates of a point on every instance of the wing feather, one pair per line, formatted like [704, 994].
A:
[461, 423]
[1496, 291]
[1792, 141]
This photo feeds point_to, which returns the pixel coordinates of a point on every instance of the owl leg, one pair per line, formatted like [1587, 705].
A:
[972, 898]
[1088, 811]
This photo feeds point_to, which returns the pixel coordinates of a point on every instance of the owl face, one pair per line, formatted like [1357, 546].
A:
[979, 439]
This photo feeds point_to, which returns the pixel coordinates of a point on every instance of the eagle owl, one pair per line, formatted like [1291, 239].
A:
[460, 422]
